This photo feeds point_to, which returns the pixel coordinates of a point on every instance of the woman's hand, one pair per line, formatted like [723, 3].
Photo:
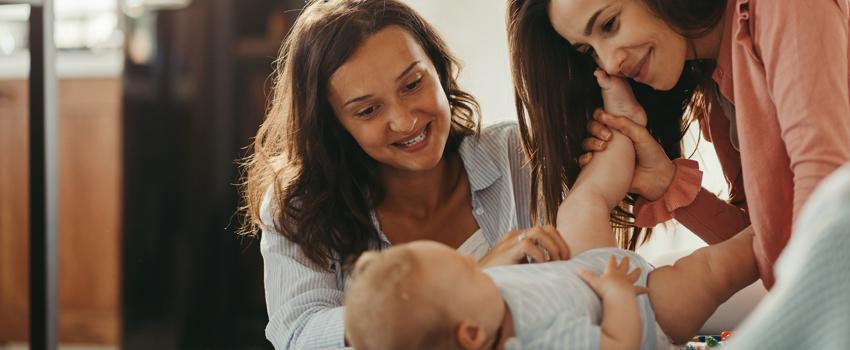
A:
[530, 245]
[653, 170]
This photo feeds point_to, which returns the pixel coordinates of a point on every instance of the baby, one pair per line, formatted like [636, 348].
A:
[424, 295]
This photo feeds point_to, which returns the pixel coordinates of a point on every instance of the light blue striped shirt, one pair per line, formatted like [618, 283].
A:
[304, 301]
[553, 308]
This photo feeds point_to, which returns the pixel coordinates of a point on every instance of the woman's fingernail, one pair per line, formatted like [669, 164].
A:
[599, 144]
[606, 135]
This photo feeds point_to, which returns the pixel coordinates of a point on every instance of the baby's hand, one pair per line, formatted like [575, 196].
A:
[615, 281]
[618, 97]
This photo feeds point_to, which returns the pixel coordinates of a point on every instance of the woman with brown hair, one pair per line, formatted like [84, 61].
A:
[370, 142]
[766, 80]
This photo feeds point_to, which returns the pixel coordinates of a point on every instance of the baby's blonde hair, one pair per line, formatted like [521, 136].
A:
[388, 305]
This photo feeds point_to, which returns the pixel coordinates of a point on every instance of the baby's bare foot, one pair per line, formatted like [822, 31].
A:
[618, 97]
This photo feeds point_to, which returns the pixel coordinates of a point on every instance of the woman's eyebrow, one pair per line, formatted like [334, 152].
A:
[588, 29]
[407, 70]
[357, 99]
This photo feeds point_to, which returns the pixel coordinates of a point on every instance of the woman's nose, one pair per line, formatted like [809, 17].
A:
[403, 122]
[611, 61]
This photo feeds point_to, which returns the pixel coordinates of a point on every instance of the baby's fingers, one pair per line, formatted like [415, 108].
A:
[612, 264]
[623, 266]
[634, 275]
[641, 290]
[590, 278]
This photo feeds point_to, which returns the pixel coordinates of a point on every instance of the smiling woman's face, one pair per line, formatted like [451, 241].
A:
[624, 37]
[388, 96]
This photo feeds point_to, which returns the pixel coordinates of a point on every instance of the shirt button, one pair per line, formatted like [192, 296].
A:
[479, 211]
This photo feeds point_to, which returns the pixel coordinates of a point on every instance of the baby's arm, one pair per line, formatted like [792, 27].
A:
[621, 324]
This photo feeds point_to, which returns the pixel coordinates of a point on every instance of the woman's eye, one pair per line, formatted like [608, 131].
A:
[412, 85]
[609, 25]
[365, 112]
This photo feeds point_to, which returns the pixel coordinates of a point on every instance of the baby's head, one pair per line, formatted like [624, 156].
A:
[421, 295]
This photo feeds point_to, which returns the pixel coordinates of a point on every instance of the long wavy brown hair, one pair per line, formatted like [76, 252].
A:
[556, 94]
[322, 185]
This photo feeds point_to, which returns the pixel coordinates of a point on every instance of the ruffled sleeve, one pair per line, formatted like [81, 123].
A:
[687, 182]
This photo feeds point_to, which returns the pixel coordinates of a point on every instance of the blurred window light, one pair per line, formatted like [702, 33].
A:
[90, 25]
[14, 13]
[13, 28]
[7, 43]
[137, 8]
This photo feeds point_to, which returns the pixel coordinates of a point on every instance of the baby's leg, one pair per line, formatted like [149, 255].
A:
[687, 293]
[583, 221]
[583, 218]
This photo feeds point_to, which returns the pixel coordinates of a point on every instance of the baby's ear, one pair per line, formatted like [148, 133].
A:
[470, 336]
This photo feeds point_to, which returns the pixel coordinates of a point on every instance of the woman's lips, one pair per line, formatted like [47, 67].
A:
[420, 138]
[638, 72]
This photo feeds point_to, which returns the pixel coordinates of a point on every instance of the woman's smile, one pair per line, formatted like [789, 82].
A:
[415, 142]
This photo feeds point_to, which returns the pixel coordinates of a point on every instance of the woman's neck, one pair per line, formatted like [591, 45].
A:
[421, 193]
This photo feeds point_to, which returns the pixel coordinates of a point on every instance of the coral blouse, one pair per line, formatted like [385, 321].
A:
[783, 69]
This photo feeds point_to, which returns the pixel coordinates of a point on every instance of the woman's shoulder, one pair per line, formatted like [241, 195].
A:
[268, 208]
[273, 243]
[272, 197]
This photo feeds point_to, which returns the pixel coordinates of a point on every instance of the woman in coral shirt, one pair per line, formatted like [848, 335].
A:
[767, 81]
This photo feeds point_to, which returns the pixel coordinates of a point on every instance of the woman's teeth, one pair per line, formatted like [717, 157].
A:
[415, 140]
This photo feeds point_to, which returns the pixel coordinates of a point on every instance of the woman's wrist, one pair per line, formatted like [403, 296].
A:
[661, 182]
[681, 190]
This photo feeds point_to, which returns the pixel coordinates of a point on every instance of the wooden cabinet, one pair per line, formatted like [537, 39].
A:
[89, 210]
[14, 211]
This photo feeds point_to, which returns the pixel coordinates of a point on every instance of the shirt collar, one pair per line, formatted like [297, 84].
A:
[479, 164]
[480, 168]
[723, 72]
